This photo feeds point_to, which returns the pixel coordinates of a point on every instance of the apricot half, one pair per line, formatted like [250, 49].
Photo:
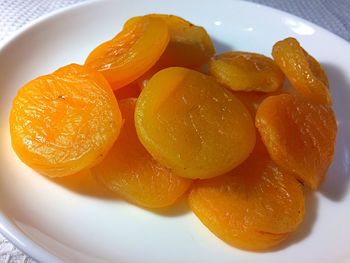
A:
[64, 122]
[189, 45]
[299, 135]
[192, 125]
[302, 70]
[246, 71]
[255, 206]
[130, 171]
[132, 52]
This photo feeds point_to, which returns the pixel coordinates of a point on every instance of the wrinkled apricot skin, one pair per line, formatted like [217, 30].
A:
[302, 70]
[192, 125]
[64, 122]
[130, 171]
[189, 45]
[132, 52]
[299, 135]
[255, 206]
[246, 71]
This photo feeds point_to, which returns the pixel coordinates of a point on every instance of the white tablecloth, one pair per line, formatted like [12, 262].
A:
[333, 15]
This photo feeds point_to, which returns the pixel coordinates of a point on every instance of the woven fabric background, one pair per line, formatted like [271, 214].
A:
[14, 14]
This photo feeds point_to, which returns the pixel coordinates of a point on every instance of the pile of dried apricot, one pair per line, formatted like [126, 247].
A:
[151, 125]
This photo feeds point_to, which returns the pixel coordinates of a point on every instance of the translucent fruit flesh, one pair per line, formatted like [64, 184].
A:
[246, 71]
[299, 135]
[132, 52]
[302, 70]
[130, 170]
[64, 122]
[192, 125]
[189, 45]
[255, 206]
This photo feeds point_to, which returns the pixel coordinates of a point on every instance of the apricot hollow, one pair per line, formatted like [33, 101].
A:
[132, 52]
[299, 135]
[255, 206]
[252, 99]
[64, 122]
[132, 90]
[303, 71]
[192, 125]
[246, 71]
[130, 171]
[141, 82]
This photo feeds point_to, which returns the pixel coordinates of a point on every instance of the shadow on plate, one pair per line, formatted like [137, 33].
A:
[85, 184]
[179, 208]
[336, 184]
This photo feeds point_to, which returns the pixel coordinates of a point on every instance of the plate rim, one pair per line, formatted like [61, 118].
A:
[7, 228]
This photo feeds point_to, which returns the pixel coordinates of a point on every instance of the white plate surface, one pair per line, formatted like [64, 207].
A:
[53, 223]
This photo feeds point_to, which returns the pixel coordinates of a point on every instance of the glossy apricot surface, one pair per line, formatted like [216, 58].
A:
[192, 125]
[130, 171]
[189, 45]
[299, 135]
[303, 71]
[64, 122]
[246, 71]
[132, 52]
[255, 206]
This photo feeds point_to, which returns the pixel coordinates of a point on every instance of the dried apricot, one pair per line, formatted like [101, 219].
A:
[302, 70]
[64, 122]
[299, 135]
[192, 125]
[130, 170]
[189, 45]
[246, 71]
[132, 52]
[255, 206]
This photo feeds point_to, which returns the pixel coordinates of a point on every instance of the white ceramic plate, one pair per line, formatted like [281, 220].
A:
[53, 223]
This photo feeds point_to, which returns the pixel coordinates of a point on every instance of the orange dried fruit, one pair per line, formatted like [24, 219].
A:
[299, 135]
[132, 52]
[255, 206]
[189, 45]
[64, 122]
[192, 125]
[130, 170]
[303, 71]
[246, 71]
